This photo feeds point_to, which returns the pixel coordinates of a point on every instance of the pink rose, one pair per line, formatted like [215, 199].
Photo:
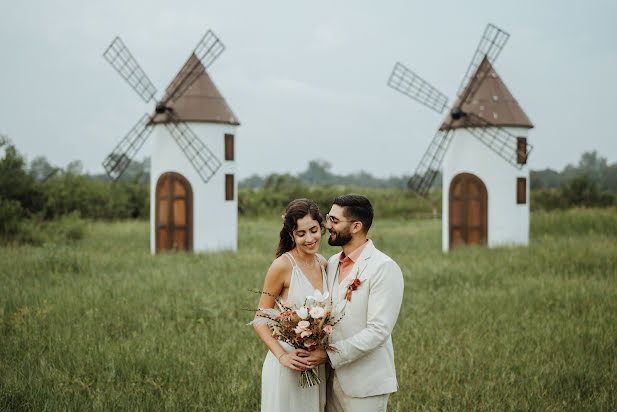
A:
[304, 324]
[317, 312]
[310, 342]
[327, 329]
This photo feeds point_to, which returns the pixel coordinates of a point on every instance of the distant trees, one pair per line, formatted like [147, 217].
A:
[43, 192]
[318, 174]
[591, 164]
[591, 183]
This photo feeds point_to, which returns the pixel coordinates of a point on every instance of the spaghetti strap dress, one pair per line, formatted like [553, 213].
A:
[280, 389]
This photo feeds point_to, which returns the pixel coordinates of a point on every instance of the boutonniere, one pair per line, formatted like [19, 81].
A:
[353, 284]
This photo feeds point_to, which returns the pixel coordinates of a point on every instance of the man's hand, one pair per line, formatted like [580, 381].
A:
[314, 358]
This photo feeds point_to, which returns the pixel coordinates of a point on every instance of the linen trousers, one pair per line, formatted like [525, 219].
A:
[337, 401]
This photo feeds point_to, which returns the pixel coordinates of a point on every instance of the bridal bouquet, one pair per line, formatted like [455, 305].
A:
[307, 326]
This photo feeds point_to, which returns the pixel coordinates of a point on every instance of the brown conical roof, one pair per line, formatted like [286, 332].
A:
[492, 101]
[201, 102]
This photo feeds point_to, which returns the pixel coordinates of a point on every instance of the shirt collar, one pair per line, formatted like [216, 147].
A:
[353, 256]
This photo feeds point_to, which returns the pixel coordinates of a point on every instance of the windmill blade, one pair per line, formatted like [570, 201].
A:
[492, 42]
[119, 159]
[121, 59]
[206, 52]
[203, 160]
[407, 82]
[498, 139]
[430, 163]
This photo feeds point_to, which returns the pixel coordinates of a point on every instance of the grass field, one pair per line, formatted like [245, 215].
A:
[100, 324]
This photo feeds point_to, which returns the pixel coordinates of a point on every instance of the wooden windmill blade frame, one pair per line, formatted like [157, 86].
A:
[120, 158]
[499, 140]
[208, 49]
[405, 81]
[121, 59]
[203, 160]
[491, 44]
[429, 165]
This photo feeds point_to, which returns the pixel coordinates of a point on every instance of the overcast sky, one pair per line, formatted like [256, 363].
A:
[306, 79]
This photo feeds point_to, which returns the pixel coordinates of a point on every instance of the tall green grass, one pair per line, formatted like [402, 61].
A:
[100, 324]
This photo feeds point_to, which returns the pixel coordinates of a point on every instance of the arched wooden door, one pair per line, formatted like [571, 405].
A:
[174, 213]
[468, 208]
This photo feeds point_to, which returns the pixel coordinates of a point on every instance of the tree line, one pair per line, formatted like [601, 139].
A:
[591, 168]
[32, 196]
[37, 192]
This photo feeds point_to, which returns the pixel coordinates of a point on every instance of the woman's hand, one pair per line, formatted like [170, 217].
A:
[293, 360]
[314, 358]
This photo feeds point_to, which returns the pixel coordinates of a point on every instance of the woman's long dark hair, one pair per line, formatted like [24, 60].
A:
[296, 210]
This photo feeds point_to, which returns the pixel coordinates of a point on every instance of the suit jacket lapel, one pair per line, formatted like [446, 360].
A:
[363, 260]
[332, 272]
[358, 266]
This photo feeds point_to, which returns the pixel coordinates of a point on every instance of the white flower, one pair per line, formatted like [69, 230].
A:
[302, 313]
[305, 334]
[319, 297]
[317, 312]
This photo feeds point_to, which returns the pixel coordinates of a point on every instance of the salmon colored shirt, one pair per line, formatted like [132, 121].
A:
[347, 262]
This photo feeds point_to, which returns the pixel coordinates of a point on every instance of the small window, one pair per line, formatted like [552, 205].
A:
[229, 187]
[521, 150]
[521, 190]
[229, 147]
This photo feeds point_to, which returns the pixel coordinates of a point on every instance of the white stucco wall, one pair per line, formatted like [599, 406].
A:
[508, 222]
[215, 220]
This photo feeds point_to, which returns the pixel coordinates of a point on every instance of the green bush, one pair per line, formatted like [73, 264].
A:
[69, 227]
[96, 199]
[15, 183]
[396, 203]
[51, 195]
[580, 191]
[32, 232]
[11, 214]
[583, 191]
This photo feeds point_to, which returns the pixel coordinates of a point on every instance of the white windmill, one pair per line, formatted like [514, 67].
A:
[193, 202]
[483, 147]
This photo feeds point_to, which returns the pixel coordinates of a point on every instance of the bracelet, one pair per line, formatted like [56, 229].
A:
[280, 356]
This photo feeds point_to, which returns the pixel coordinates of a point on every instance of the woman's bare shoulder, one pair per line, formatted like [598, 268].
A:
[322, 260]
[280, 266]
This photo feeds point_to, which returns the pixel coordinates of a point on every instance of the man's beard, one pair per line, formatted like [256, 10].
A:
[341, 239]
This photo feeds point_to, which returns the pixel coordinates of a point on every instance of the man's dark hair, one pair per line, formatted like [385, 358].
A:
[356, 207]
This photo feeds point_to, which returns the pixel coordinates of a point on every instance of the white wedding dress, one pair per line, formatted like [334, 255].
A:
[280, 389]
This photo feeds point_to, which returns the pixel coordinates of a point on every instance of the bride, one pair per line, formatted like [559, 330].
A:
[295, 274]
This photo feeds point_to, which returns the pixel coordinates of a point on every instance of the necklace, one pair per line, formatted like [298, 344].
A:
[304, 264]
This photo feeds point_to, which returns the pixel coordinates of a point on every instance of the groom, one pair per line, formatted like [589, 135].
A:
[369, 285]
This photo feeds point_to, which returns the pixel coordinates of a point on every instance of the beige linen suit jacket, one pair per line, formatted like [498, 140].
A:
[363, 358]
